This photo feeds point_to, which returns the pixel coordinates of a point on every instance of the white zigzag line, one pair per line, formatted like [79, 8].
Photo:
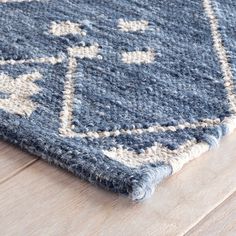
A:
[12, 1]
[46, 60]
[197, 149]
[158, 153]
[221, 53]
[153, 129]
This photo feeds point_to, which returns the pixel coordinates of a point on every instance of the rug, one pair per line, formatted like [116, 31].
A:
[120, 93]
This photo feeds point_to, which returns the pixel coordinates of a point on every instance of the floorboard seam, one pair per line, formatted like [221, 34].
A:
[17, 171]
[217, 206]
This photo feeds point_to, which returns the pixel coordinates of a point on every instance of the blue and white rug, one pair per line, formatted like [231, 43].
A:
[121, 93]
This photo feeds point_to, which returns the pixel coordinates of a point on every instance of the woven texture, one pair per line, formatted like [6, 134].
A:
[121, 93]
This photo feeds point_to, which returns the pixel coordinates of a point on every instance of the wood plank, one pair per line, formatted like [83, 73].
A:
[43, 200]
[12, 161]
[221, 221]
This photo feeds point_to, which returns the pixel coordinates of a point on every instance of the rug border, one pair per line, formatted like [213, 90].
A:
[177, 163]
[152, 176]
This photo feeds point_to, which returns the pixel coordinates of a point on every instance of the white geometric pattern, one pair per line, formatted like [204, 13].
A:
[21, 104]
[18, 92]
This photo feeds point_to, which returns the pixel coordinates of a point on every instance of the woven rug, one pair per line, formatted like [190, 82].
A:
[121, 93]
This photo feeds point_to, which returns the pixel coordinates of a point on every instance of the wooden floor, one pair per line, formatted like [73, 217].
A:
[38, 199]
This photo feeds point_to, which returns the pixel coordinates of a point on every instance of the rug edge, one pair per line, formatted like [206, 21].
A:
[153, 176]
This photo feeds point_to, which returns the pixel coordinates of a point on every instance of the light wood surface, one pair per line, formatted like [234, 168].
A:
[221, 221]
[39, 199]
[12, 161]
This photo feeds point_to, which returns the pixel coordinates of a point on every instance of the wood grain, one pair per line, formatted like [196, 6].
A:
[12, 161]
[221, 221]
[44, 200]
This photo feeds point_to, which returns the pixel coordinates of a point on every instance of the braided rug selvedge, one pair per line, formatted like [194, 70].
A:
[121, 93]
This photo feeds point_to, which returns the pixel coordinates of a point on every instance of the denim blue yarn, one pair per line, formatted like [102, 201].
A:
[184, 84]
[226, 12]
